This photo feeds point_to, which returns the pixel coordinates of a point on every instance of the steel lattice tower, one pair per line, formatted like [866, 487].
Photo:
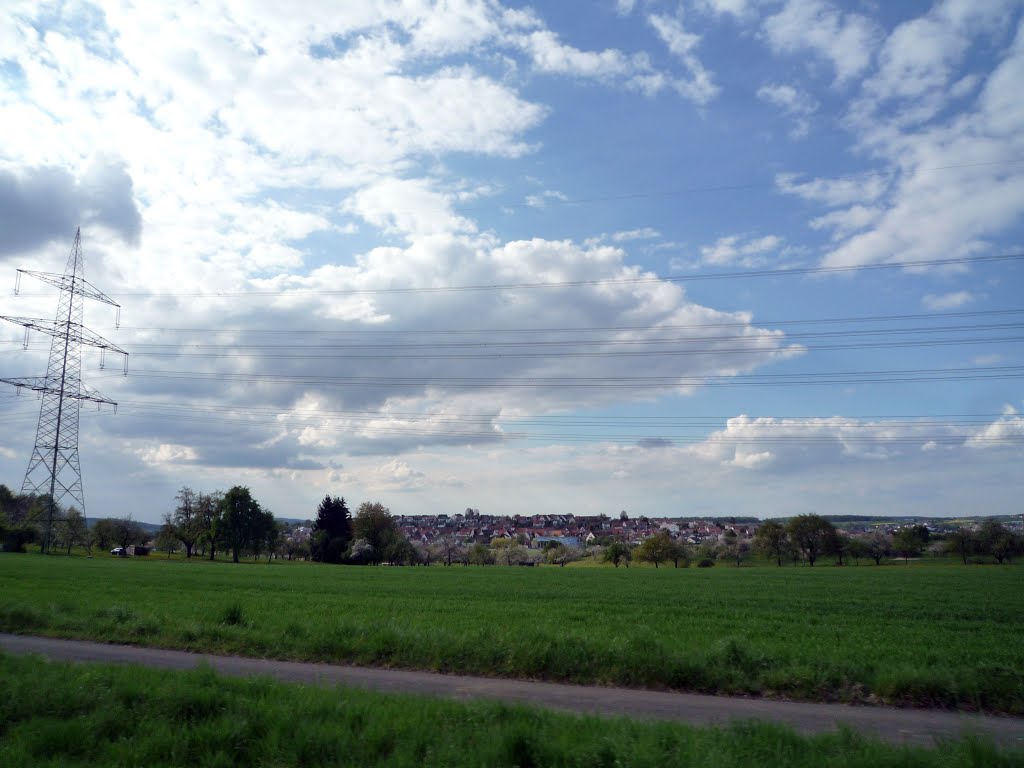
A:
[53, 470]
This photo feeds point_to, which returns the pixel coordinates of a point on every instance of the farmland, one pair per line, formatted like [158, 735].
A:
[916, 636]
[60, 714]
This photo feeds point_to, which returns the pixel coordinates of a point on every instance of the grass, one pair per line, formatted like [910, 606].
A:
[94, 715]
[912, 636]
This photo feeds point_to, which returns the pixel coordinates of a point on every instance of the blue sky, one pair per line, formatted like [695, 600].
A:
[289, 203]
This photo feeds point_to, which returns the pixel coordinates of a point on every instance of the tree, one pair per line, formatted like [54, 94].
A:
[839, 545]
[75, 532]
[103, 533]
[508, 550]
[332, 530]
[961, 542]
[908, 543]
[167, 539]
[264, 538]
[241, 522]
[362, 552]
[187, 521]
[734, 549]
[374, 524]
[561, 555]
[127, 532]
[680, 554]
[878, 545]
[655, 549]
[208, 509]
[400, 551]
[425, 553]
[772, 540]
[479, 554]
[448, 549]
[14, 536]
[617, 552]
[811, 534]
[997, 540]
[857, 549]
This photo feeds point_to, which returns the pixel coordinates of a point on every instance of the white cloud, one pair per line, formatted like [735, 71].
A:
[846, 221]
[860, 189]
[848, 40]
[739, 9]
[919, 61]
[946, 301]
[734, 250]
[408, 206]
[1006, 432]
[541, 200]
[791, 445]
[168, 454]
[624, 7]
[644, 233]
[953, 182]
[699, 86]
[793, 102]
[953, 212]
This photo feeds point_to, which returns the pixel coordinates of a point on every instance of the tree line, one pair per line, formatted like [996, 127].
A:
[24, 517]
[810, 537]
[203, 524]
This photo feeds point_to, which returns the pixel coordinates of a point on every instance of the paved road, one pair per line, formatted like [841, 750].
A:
[900, 726]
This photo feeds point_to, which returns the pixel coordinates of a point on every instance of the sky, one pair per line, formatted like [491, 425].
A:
[699, 258]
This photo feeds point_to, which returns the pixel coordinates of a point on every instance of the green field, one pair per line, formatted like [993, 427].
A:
[95, 715]
[917, 636]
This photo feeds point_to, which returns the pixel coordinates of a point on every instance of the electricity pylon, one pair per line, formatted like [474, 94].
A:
[54, 471]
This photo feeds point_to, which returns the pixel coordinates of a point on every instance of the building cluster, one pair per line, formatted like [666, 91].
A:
[535, 531]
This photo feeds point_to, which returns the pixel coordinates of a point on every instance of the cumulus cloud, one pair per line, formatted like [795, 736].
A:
[40, 205]
[847, 40]
[1005, 432]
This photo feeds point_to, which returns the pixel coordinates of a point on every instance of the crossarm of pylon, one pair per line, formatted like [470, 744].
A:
[48, 386]
[69, 283]
[54, 328]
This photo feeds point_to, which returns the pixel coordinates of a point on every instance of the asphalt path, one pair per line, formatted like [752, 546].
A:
[900, 726]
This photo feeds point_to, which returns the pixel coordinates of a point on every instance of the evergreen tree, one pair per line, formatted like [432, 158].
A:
[332, 530]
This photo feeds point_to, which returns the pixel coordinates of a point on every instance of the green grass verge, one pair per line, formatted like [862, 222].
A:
[92, 715]
[918, 636]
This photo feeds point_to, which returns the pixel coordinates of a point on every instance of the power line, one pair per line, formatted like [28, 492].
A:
[610, 382]
[759, 433]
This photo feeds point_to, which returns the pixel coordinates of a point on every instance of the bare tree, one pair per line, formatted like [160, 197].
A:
[448, 548]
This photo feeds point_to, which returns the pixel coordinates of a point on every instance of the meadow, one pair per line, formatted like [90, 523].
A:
[94, 715]
[914, 636]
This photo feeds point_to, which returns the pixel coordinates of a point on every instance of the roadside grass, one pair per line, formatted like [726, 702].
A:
[56, 714]
[910, 636]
